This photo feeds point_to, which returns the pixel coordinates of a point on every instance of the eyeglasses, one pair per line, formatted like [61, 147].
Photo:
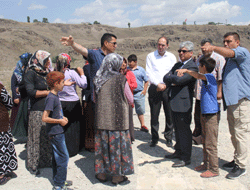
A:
[184, 51]
[228, 41]
[114, 43]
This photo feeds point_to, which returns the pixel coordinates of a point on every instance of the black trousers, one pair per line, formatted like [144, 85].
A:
[155, 100]
[183, 134]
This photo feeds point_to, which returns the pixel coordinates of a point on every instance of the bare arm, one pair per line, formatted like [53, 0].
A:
[69, 41]
[41, 93]
[145, 88]
[48, 119]
[225, 52]
[219, 89]
[194, 74]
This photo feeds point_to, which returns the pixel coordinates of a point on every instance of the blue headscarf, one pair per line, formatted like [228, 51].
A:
[21, 66]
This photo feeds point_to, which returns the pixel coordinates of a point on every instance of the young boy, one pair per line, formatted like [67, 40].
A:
[140, 91]
[209, 116]
[55, 120]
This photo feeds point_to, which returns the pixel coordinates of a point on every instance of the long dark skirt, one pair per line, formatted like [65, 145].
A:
[8, 161]
[131, 124]
[113, 153]
[20, 128]
[39, 150]
[88, 123]
[73, 111]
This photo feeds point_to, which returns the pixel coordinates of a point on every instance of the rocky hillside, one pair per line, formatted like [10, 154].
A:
[17, 38]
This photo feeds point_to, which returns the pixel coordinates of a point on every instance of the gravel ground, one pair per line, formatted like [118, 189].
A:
[152, 170]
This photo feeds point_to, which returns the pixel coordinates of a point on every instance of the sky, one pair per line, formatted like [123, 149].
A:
[136, 12]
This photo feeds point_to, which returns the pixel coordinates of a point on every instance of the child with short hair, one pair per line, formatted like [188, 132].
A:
[54, 119]
[209, 116]
[140, 91]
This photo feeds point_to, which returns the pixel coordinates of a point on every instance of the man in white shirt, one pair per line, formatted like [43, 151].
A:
[159, 63]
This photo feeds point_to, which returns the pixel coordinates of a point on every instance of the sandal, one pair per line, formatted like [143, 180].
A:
[115, 182]
[4, 180]
[101, 177]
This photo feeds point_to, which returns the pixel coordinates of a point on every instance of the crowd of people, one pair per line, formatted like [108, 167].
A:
[48, 110]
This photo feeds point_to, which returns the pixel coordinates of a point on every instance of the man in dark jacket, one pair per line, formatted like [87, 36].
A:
[181, 102]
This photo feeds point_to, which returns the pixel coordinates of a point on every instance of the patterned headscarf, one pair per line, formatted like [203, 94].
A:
[38, 60]
[19, 69]
[110, 67]
[124, 71]
[63, 62]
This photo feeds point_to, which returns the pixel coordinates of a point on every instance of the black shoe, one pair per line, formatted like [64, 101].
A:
[169, 143]
[173, 156]
[236, 172]
[181, 163]
[68, 183]
[153, 143]
[229, 165]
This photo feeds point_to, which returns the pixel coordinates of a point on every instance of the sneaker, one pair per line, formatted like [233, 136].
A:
[229, 165]
[144, 128]
[68, 183]
[236, 172]
[208, 174]
[61, 188]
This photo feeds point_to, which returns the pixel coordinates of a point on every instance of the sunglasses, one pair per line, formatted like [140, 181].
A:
[184, 51]
[114, 43]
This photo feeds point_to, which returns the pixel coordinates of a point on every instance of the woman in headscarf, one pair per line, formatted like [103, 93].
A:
[8, 161]
[71, 103]
[113, 152]
[39, 153]
[19, 113]
[133, 85]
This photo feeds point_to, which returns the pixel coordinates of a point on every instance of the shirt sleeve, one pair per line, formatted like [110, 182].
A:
[49, 104]
[149, 71]
[29, 83]
[128, 94]
[6, 99]
[81, 81]
[239, 54]
[14, 86]
[220, 66]
[144, 75]
[131, 80]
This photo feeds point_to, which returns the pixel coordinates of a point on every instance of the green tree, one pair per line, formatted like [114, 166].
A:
[28, 19]
[129, 25]
[96, 22]
[211, 23]
[184, 23]
[45, 20]
[35, 20]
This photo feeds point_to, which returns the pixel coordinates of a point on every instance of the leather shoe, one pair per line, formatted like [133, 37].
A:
[169, 143]
[153, 143]
[173, 156]
[181, 163]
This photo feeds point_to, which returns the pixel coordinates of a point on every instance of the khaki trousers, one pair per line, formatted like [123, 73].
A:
[209, 123]
[238, 117]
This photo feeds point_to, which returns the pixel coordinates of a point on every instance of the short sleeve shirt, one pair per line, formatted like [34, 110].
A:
[209, 102]
[140, 75]
[236, 77]
[53, 104]
[95, 58]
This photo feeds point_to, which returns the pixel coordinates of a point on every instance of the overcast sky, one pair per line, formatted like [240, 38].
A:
[138, 12]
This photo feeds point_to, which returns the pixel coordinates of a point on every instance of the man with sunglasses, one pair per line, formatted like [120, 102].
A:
[236, 98]
[158, 63]
[181, 102]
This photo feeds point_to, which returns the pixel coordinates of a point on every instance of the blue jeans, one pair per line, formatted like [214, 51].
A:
[60, 159]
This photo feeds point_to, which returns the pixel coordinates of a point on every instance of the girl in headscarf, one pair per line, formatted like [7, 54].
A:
[71, 103]
[133, 85]
[8, 161]
[113, 152]
[39, 153]
[19, 113]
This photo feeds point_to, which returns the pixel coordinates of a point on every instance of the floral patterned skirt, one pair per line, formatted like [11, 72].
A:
[113, 153]
[8, 159]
